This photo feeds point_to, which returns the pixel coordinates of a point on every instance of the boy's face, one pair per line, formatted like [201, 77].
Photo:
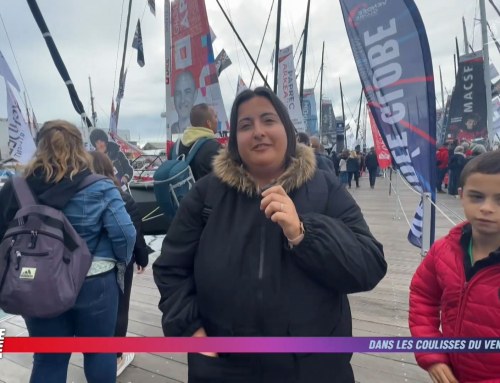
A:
[470, 124]
[481, 201]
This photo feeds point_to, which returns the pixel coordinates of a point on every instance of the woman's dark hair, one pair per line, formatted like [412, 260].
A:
[98, 135]
[247, 95]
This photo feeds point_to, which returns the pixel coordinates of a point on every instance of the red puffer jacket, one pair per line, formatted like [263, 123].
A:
[442, 158]
[468, 299]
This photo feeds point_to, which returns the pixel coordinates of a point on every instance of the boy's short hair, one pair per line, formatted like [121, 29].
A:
[487, 163]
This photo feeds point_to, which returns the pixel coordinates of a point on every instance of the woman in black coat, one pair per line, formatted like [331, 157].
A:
[353, 168]
[140, 256]
[266, 245]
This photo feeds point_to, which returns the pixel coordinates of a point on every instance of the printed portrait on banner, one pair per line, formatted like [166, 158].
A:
[194, 71]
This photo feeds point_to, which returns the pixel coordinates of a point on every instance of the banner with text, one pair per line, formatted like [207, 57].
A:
[383, 155]
[21, 143]
[328, 125]
[194, 72]
[468, 113]
[392, 54]
[309, 112]
[287, 88]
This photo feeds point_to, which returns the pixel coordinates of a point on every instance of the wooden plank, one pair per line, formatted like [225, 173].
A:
[18, 321]
[11, 372]
[168, 368]
[143, 329]
[400, 369]
[135, 374]
[13, 330]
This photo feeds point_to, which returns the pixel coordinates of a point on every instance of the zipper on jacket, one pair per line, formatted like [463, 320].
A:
[262, 251]
[7, 257]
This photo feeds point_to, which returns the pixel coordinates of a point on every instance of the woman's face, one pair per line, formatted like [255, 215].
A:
[260, 135]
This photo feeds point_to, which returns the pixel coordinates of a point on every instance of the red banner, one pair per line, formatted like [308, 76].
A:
[383, 155]
[130, 150]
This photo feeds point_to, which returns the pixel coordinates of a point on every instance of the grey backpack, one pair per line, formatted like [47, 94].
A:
[43, 260]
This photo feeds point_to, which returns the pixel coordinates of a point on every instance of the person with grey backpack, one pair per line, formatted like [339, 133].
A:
[66, 241]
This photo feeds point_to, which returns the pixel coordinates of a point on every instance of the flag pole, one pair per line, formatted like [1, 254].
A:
[277, 48]
[487, 79]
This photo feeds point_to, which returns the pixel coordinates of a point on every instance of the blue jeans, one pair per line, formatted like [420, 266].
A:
[94, 315]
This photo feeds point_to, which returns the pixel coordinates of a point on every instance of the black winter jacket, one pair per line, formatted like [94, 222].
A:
[371, 160]
[120, 162]
[225, 267]
[140, 254]
[202, 162]
[322, 163]
[353, 165]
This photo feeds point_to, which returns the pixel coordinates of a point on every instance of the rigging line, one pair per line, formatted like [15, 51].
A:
[17, 64]
[118, 49]
[474, 23]
[262, 42]
[234, 40]
[298, 45]
[234, 35]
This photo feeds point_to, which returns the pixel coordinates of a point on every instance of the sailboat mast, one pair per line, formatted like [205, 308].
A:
[359, 113]
[94, 114]
[343, 112]
[117, 113]
[487, 79]
[277, 48]
[442, 90]
[494, 6]
[493, 37]
[466, 41]
[168, 64]
[321, 95]
[304, 51]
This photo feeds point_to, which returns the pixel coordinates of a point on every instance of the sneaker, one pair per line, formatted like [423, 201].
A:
[127, 358]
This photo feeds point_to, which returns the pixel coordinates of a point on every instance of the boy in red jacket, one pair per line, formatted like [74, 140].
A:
[457, 286]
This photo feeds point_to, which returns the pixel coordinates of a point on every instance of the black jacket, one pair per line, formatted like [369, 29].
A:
[202, 162]
[371, 161]
[353, 165]
[323, 163]
[120, 162]
[140, 254]
[226, 267]
[457, 163]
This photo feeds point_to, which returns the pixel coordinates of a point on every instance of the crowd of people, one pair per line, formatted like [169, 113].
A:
[268, 242]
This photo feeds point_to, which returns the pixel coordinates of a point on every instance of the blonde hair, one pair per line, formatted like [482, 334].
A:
[60, 152]
[104, 166]
[353, 154]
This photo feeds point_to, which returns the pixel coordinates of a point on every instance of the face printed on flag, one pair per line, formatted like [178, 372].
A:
[194, 73]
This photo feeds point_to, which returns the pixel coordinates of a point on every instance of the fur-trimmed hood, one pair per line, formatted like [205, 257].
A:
[300, 170]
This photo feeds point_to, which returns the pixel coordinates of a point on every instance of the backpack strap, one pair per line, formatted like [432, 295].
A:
[90, 180]
[195, 148]
[213, 196]
[23, 192]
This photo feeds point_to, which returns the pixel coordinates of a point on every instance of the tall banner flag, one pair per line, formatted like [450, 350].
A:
[194, 72]
[121, 89]
[21, 143]
[328, 125]
[309, 112]
[7, 74]
[392, 54]
[241, 86]
[137, 44]
[152, 7]
[468, 112]
[112, 119]
[383, 155]
[287, 88]
[222, 62]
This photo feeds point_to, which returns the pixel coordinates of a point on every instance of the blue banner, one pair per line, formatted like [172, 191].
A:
[393, 58]
[309, 112]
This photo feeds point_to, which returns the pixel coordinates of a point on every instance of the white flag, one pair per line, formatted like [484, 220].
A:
[7, 73]
[21, 142]
[241, 86]
[287, 88]
[493, 71]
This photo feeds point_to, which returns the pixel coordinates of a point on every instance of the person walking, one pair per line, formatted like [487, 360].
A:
[335, 158]
[371, 162]
[140, 256]
[442, 159]
[98, 215]
[287, 240]
[343, 167]
[456, 165]
[477, 150]
[353, 166]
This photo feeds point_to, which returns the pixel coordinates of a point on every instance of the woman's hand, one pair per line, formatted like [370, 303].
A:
[280, 208]
[202, 334]
[441, 373]
[140, 269]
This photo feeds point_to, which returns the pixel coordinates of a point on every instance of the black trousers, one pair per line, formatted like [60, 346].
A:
[373, 176]
[356, 178]
[123, 304]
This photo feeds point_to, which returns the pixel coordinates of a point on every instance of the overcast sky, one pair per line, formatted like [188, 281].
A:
[86, 34]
